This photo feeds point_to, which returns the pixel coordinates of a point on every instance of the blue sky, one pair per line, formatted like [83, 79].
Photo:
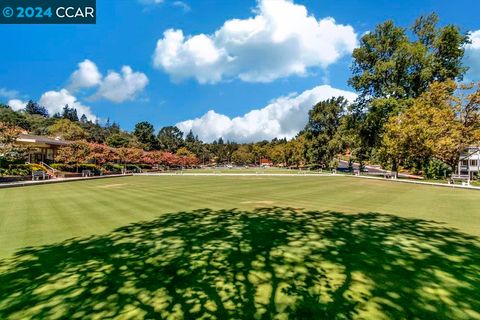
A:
[165, 88]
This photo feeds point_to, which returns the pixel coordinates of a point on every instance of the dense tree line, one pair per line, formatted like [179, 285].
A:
[411, 113]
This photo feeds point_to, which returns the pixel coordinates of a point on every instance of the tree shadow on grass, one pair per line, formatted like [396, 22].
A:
[270, 263]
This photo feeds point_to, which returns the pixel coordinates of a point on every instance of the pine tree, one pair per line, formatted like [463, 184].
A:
[34, 108]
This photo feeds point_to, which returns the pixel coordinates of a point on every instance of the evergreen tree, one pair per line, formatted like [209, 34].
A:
[34, 108]
[144, 132]
[70, 113]
[170, 138]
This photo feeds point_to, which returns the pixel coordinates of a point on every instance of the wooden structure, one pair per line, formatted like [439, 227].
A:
[41, 149]
[469, 164]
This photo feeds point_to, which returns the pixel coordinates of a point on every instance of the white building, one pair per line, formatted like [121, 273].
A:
[469, 163]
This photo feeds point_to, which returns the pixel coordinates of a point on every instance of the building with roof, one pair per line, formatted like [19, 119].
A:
[41, 148]
[469, 163]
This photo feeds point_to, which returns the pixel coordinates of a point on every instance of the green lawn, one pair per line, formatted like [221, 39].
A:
[252, 170]
[239, 247]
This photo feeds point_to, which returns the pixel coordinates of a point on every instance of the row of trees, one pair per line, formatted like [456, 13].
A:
[434, 127]
[168, 139]
[410, 112]
[100, 154]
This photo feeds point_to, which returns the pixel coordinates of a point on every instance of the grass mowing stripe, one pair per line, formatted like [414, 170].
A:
[41, 214]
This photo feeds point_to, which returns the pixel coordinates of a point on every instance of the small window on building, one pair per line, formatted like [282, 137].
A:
[464, 162]
[473, 163]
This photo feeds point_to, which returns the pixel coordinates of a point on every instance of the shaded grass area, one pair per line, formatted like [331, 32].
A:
[262, 263]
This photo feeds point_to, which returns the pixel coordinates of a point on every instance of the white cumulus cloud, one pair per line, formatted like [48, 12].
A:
[472, 57]
[283, 117]
[86, 76]
[282, 39]
[17, 104]
[54, 101]
[121, 87]
[114, 86]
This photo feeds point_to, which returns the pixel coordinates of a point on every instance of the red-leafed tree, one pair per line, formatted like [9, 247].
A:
[101, 153]
[75, 153]
[152, 157]
[129, 155]
[185, 158]
[168, 159]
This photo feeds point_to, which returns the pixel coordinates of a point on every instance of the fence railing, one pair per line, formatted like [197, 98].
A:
[54, 171]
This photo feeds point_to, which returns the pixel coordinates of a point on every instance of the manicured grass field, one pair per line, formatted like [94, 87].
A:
[239, 247]
[252, 170]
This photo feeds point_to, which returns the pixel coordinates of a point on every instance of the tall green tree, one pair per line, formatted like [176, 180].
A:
[94, 132]
[83, 118]
[170, 138]
[190, 138]
[119, 140]
[38, 124]
[392, 66]
[389, 63]
[70, 113]
[193, 143]
[323, 123]
[11, 117]
[144, 132]
[34, 108]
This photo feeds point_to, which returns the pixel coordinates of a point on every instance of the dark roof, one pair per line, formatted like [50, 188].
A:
[43, 139]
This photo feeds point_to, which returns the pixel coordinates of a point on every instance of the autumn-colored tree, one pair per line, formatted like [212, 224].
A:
[159, 158]
[75, 153]
[101, 153]
[9, 149]
[129, 155]
[438, 125]
[420, 133]
[296, 151]
[277, 153]
[149, 158]
[185, 158]
[468, 107]
[259, 151]
[168, 159]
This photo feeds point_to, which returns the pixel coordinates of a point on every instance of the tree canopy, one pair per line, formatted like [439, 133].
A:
[170, 138]
[144, 132]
